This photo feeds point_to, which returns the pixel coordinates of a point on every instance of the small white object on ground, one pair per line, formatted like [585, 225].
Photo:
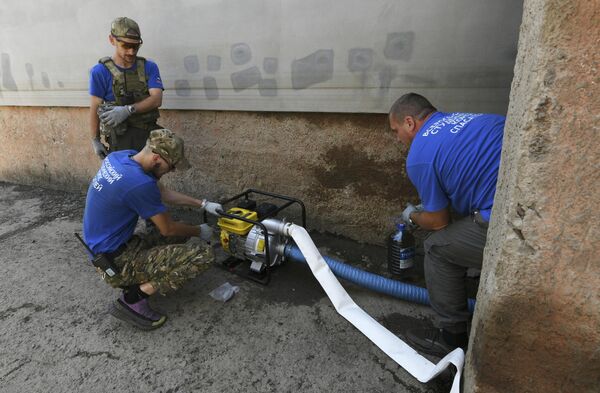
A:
[224, 292]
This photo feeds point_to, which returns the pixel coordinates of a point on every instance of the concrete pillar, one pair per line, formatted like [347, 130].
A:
[537, 323]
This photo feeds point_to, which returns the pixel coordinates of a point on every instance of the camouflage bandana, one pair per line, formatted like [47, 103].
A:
[169, 146]
[105, 129]
[125, 28]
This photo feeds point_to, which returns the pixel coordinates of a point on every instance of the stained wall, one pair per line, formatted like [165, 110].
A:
[347, 168]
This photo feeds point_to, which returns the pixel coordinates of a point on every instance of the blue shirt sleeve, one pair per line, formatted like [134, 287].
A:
[145, 200]
[101, 82]
[428, 186]
[153, 74]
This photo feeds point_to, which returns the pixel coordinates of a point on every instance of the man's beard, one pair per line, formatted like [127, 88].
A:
[129, 59]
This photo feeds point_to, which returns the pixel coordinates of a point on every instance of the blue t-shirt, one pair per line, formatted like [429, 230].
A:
[454, 159]
[101, 79]
[119, 193]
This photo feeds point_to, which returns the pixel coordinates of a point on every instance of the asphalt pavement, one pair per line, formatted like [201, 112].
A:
[56, 334]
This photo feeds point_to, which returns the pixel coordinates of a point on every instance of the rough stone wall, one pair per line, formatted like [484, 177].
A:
[536, 327]
[348, 169]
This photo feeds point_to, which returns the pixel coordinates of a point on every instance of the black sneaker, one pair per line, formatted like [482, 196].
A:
[138, 314]
[432, 341]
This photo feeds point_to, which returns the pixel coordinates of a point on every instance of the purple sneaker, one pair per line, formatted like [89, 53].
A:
[139, 314]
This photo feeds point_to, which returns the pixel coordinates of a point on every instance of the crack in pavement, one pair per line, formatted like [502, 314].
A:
[11, 310]
[15, 369]
[89, 355]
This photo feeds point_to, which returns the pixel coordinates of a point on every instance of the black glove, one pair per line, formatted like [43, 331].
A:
[99, 148]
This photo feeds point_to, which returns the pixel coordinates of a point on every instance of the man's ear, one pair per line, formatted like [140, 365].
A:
[155, 157]
[410, 121]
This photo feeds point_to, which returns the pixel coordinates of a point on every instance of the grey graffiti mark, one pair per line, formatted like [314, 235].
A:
[399, 46]
[418, 80]
[267, 87]
[60, 84]
[191, 64]
[45, 80]
[211, 90]
[246, 78]
[386, 75]
[30, 73]
[360, 59]
[240, 53]
[182, 88]
[270, 65]
[7, 79]
[29, 70]
[314, 68]
[213, 62]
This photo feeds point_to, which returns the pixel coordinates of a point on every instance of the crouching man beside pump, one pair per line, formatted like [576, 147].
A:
[126, 187]
[453, 162]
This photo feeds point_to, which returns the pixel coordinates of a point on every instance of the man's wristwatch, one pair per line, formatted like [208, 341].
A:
[411, 221]
[130, 109]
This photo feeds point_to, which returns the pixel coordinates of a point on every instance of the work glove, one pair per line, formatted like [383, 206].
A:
[212, 207]
[99, 148]
[115, 116]
[206, 232]
[410, 208]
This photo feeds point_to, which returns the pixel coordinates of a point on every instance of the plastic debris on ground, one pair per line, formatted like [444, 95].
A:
[224, 292]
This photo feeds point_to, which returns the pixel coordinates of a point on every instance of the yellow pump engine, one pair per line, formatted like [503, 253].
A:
[245, 238]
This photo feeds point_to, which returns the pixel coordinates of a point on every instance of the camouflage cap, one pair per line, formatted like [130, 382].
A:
[169, 146]
[126, 28]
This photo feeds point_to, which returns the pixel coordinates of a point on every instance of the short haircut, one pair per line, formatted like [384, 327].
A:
[412, 104]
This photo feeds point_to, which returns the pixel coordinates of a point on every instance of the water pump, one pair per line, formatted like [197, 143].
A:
[246, 238]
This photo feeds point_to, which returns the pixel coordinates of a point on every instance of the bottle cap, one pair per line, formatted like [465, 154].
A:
[400, 227]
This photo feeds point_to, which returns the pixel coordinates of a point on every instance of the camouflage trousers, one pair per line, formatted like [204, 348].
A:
[164, 262]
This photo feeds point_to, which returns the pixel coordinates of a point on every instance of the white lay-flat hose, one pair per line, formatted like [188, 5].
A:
[418, 366]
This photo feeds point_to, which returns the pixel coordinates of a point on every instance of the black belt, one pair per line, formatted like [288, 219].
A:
[115, 254]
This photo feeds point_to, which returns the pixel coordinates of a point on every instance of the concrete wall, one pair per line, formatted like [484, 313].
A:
[340, 57]
[350, 56]
[536, 327]
[347, 168]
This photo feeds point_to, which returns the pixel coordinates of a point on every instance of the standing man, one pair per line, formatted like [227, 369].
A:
[453, 163]
[125, 188]
[126, 92]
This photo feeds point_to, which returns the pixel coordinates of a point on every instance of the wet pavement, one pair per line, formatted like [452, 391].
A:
[56, 334]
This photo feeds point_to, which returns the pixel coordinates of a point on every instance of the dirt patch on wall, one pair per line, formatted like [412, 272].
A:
[345, 166]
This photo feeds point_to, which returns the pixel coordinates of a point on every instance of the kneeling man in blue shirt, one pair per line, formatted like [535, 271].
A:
[126, 187]
[453, 162]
